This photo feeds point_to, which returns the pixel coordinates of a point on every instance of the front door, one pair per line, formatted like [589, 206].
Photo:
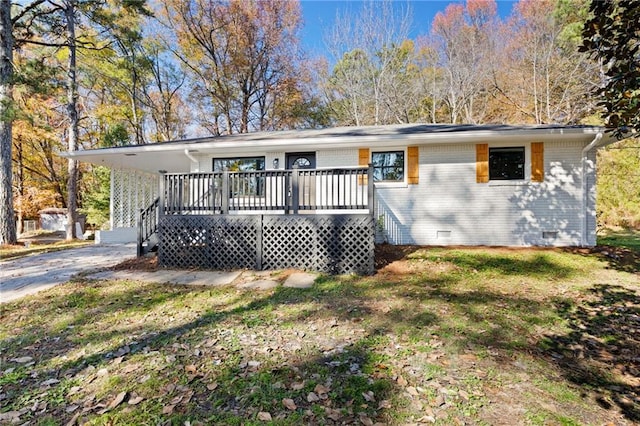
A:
[307, 182]
[304, 160]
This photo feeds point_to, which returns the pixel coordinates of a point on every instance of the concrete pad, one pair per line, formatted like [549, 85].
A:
[300, 280]
[212, 278]
[258, 285]
[209, 278]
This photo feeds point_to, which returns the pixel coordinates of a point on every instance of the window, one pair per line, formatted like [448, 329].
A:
[242, 185]
[242, 164]
[506, 163]
[388, 166]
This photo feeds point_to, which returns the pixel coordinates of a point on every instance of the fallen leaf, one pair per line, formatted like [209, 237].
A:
[412, 391]
[264, 416]
[365, 420]
[384, 404]
[71, 408]
[212, 386]
[190, 369]
[49, 382]
[73, 420]
[289, 404]
[333, 414]
[168, 409]
[402, 381]
[440, 400]
[117, 401]
[297, 385]
[135, 400]
[320, 389]
[22, 360]
[10, 416]
[464, 395]
[368, 396]
[313, 397]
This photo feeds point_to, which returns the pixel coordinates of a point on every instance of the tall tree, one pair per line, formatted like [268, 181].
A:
[21, 21]
[372, 54]
[463, 38]
[240, 54]
[543, 77]
[612, 35]
[7, 215]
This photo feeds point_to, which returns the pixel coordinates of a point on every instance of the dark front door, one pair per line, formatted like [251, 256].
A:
[306, 182]
[304, 160]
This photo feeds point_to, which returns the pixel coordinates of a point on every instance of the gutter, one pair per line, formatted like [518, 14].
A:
[594, 144]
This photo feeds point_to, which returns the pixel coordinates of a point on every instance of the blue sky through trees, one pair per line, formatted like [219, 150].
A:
[319, 15]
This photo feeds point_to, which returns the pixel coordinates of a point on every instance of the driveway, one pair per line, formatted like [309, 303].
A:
[30, 274]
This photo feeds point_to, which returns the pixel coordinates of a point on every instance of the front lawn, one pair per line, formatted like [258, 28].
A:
[464, 336]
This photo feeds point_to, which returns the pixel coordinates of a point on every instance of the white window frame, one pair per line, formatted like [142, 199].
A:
[391, 184]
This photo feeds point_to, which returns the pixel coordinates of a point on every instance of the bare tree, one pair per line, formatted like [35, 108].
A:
[369, 80]
[462, 36]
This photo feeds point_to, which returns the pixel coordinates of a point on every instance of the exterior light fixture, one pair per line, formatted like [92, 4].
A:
[276, 163]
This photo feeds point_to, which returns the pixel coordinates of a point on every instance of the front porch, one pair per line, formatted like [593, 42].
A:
[314, 219]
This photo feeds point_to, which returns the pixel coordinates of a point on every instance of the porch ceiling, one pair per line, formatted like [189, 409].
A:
[174, 156]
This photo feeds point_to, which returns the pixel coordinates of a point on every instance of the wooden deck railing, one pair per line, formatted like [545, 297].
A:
[289, 191]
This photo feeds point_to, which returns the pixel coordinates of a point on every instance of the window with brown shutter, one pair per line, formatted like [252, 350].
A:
[482, 163]
[413, 165]
[537, 161]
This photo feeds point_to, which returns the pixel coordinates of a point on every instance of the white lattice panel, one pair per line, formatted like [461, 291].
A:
[130, 192]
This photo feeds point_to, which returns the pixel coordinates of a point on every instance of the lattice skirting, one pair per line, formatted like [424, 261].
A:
[335, 244]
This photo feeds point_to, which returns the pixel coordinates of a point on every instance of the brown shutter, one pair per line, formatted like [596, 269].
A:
[537, 161]
[363, 160]
[482, 163]
[412, 165]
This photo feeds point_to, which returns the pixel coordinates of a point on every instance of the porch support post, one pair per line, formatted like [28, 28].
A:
[295, 189]
[161, 195]
[224, 206]
[370, 190]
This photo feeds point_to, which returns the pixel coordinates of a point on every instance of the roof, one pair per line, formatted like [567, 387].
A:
[175, 156]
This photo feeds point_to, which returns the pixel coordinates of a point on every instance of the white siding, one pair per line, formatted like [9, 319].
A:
[448, 207]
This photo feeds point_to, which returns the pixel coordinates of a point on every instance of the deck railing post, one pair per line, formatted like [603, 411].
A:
[162, 193]
[295, 189]
[139, 245]
[370, 189]
[224, 206]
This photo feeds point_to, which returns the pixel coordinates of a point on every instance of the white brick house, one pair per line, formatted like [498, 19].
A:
[434, 184]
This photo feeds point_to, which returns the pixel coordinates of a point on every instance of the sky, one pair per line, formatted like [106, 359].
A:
[319, 15]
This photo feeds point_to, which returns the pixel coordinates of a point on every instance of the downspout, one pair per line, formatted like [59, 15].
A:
[585, 188]
[190, 157]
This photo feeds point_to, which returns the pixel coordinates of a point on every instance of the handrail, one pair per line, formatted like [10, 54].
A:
[148, 224]
[289, 191]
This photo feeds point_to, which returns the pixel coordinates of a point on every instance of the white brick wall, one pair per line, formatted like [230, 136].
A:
[448, 207]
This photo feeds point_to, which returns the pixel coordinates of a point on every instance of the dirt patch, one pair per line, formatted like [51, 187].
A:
[143, 263]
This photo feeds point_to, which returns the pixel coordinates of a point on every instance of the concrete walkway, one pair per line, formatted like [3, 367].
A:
[28, 275]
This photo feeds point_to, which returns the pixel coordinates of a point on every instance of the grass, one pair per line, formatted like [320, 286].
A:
[466, 336]
[620, 237]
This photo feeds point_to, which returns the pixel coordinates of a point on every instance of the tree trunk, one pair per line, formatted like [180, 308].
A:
[72, 116]
[7, 215]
